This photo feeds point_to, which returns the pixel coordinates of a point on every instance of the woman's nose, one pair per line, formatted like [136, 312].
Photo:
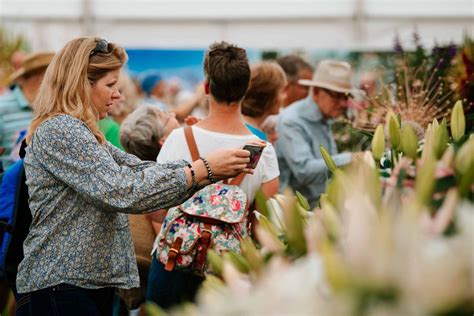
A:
[116, 94]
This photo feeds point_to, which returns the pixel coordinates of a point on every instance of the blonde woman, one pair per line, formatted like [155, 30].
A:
[79, 246]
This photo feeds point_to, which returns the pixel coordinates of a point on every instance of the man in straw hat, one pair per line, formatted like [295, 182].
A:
[306, 124]
[15, 108]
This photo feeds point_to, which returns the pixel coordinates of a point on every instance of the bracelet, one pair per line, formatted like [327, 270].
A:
[209, 172]
[193, 177]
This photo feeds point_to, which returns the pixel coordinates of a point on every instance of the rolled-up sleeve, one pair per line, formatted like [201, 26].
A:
[119, 181]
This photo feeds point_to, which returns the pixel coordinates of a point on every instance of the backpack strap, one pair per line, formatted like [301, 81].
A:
[188, 133]
[173, 254]
[203, 245]
[238, 180]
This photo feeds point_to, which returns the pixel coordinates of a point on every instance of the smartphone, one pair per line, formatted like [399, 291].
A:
[255, 154]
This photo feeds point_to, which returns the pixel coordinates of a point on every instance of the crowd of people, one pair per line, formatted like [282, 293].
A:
[107, 155]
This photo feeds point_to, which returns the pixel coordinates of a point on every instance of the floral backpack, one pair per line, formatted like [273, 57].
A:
[214, 217]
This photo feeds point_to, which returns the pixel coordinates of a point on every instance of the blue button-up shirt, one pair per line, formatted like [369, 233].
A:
[301, 129]
[15, 117]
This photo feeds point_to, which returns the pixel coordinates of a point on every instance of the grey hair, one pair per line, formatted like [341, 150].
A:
[141, 131]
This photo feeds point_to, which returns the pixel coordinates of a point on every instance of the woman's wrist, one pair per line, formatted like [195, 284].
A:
[194, 183]
[200, 172]
[210, 175]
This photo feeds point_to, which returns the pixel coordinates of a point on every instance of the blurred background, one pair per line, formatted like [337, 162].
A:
[171, 35]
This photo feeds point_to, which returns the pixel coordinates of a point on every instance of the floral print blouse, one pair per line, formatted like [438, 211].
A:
[79, 192]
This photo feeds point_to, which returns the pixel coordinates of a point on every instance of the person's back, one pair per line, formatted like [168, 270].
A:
[227, 78]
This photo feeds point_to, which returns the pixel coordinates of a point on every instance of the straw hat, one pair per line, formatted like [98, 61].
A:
[33, 62]
[333, 75]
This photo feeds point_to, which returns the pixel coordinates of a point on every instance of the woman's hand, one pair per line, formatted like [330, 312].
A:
[228, 163]
[224, 163]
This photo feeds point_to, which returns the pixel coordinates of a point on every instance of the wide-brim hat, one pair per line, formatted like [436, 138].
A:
[33, 62]
[334, 75]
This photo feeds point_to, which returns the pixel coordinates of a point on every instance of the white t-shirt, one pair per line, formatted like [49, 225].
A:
[176, 147]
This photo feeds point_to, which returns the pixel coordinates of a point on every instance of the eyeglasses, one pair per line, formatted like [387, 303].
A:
[102, 46]
[337, 95]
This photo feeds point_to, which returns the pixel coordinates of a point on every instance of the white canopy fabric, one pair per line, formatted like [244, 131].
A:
[365, 25]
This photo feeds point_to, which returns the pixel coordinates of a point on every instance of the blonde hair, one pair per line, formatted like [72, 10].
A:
[141, 131]
[67, 83]
[266, 81]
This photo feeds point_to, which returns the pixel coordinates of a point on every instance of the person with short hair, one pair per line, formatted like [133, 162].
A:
[306, 124]
[264, 97]
[79, 248]
[227, 76]
[154, 88]
[296, 68]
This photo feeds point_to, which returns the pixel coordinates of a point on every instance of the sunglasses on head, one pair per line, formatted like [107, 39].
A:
[101, 46]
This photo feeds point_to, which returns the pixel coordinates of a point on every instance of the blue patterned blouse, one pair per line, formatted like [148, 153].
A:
[79, 191]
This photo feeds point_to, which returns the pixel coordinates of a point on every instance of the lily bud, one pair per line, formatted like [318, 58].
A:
[409, 142]
[435, 124]
[335, 190]
[440, 139]
[253, 256]
[378, 143]
[303, 201]
[328, 159]
[394, 131]
[269, 241]
[331, 222]
[428, 144]
[238, 261]
[464, 157]
[267, 225]
[458, 121]
[425, 181]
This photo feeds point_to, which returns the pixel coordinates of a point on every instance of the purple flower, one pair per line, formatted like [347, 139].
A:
[398, 46]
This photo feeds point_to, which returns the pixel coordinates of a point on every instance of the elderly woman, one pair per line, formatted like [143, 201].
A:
[142, 134]
[264, 97]
[79, 246]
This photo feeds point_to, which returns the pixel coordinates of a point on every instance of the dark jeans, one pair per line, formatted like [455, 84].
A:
[167, 288]
[65, 299]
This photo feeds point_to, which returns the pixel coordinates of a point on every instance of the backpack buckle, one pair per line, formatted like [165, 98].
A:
[173, 254]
